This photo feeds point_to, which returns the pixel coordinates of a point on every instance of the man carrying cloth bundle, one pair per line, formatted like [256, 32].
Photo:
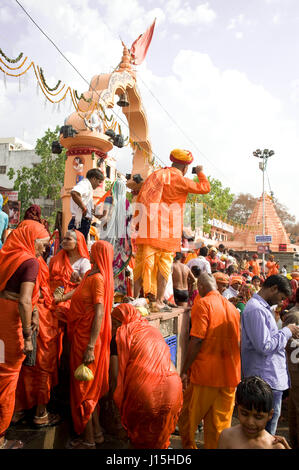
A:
[161, 208]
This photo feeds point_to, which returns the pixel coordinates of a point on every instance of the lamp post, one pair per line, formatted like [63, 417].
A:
[264, 155]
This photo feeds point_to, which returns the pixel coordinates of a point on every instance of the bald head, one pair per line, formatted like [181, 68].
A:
[206, 283]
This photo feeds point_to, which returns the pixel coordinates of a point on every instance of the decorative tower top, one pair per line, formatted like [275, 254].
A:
[125, 63]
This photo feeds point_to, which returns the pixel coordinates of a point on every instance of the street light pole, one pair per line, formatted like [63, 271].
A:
[264, 155]
[263, 258]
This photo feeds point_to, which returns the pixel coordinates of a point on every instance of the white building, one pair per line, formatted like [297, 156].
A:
[14, 153]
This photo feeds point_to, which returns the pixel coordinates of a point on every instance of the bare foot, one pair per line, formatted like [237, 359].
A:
[10, 444]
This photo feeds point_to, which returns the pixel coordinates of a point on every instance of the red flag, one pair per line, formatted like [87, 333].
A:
[141, 44]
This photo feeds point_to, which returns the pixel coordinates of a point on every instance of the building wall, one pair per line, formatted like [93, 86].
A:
[287, 258]
[15, 159]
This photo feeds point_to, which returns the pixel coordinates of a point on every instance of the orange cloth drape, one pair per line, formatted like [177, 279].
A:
[35, 382]
[18, 248]
[272, 268]
[162, 196]
[189, 257]
[217, 322]
[149, 391]
[255, 268]
[94, 289]
[214, 406]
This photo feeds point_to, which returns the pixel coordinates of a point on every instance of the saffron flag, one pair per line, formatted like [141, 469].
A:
[141, 44]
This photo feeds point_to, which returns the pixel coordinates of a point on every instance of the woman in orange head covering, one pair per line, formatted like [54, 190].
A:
[36, 381]
[19, 294]
[67, 269]
[89, 330]
[149, 390]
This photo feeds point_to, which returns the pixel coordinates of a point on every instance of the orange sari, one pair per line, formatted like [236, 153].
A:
[149, 391]
[94, 289]
[35, 382]
[18, 247]
[60, 273]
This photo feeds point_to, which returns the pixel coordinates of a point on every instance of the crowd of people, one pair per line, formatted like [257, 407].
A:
[68, 307]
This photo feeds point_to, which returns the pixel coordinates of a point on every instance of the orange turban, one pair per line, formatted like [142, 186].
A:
[295, 275]
[235, 279]
[181, 156]
[221, 277]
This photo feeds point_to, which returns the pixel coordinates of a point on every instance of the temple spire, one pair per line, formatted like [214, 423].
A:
[125, 63]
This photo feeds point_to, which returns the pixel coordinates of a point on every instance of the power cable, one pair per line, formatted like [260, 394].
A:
[171, 117]
[77, 71]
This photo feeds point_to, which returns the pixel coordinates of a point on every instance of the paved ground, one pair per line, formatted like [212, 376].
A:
[57, 437]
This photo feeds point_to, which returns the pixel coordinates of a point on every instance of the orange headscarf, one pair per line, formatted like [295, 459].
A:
[60, 266]
[221, 277]
[235, 279]
[129, 316]
[18, 248]
[102, 253]
[145, 371]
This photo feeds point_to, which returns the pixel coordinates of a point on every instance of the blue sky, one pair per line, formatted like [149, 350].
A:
[226, 70]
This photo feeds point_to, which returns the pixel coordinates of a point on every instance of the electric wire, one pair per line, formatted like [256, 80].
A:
[77, 71]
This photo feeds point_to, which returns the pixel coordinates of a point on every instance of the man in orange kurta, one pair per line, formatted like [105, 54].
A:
[272, 266]
[160, 206]
[213, 357]
[255, 266]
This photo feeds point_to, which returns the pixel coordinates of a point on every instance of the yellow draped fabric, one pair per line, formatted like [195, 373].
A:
[213, 405]
[149, 260]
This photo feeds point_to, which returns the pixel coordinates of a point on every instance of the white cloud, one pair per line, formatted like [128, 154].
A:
[239, 35]
[295, 91]
[234, 22]
[225, 114]
[276, 18]
[5, 15]
[186, 15]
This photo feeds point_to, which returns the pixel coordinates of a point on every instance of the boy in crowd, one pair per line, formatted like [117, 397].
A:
[254, 399]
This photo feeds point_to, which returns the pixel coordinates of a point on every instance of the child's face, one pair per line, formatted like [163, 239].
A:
[253, 422]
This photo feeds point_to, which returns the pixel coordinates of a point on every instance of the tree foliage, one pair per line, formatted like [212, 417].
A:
[283, 213]
[218, 200]
[44, 179]
[242, 207]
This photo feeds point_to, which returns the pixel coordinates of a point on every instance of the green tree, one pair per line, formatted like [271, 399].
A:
[242, 207]
[217, 201]
[44, 179]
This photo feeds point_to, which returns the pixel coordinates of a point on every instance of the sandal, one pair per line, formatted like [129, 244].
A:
[99, 438]
[166, 308]
[17, 417]
[78, 443]
[48, 419]
[12, 444]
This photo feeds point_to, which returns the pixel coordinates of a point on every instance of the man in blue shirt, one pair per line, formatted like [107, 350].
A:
[263, 345]
[3, 223]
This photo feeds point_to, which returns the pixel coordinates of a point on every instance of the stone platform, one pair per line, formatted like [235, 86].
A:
[175, 322]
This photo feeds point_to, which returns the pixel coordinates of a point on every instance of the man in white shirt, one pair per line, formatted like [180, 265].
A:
[82, 201]
[284, 271]
[234, 287]
[201, 262]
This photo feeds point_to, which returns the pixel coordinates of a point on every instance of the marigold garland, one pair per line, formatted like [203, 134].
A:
[11, 61]
[41, 72]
